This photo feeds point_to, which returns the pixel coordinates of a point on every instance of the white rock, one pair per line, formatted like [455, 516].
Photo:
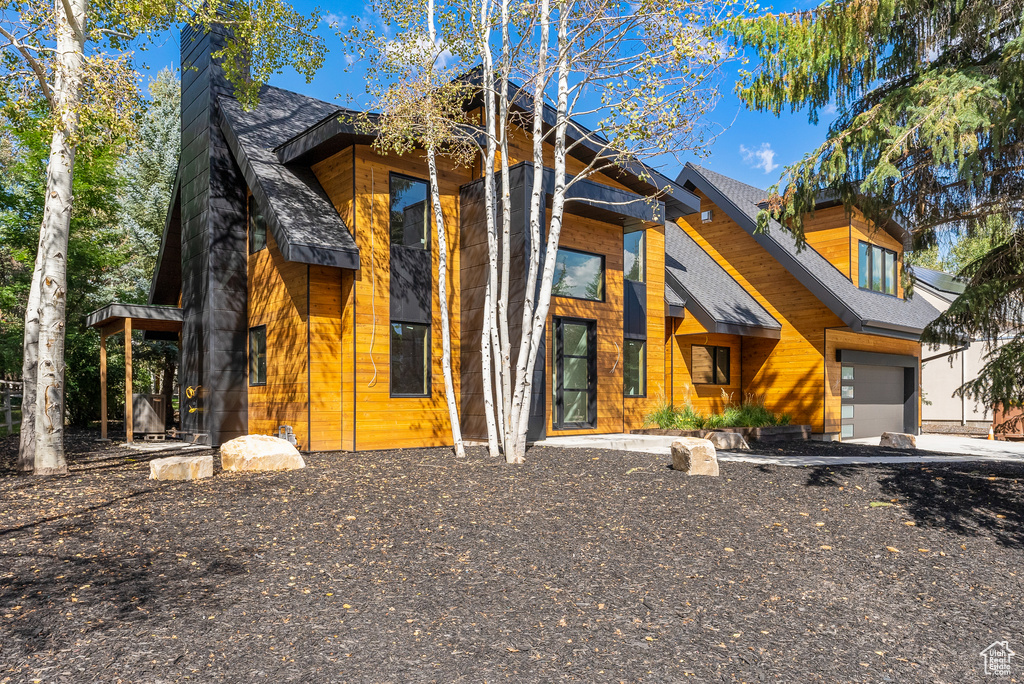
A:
[898, 440]
[728, 441]
[259, 453]
[181, 468]
[694, 456]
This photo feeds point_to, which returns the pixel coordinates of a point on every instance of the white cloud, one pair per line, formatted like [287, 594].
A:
[761, 158]
[335, 21]
[829, 109]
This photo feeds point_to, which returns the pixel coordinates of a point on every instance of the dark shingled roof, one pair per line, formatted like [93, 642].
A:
[862, 310]
[946, 285]
[695, 280]
[298, 212]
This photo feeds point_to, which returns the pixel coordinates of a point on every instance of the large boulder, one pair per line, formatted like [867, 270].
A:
[254, 453]
[728, 441]
[694, 456]
[898, 440]
[181, 468]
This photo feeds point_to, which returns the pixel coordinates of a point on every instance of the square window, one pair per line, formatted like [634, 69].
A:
[257, 227]
[409, 212]
[709, 365]
[847, 372]
[847, 392]
[578, 275]
[410, 360]
[634, 368]
[258, 355]
[848, 412]
[634, 256]
[846, 432]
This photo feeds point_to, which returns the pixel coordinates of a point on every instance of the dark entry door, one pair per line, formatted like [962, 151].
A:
[575, 374]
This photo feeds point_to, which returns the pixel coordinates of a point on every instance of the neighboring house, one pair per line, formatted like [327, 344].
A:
[299, 265]
[823, 333]
[944, 368]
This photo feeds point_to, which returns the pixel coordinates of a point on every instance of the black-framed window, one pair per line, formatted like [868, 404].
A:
[634, 256]
[634, 368]
[258, 355]
[409, 212]
[257, 227]
[410, 359]
[578, 275]
[709, 365]
[877, 268]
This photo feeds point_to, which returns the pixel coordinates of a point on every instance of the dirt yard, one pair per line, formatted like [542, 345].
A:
[586, 566]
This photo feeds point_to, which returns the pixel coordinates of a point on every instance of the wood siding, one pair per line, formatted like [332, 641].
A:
[704, 398]
[277, 299]
[788, 373]
[636, 409]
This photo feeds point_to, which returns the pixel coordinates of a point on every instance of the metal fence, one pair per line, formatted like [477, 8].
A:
[10, 394]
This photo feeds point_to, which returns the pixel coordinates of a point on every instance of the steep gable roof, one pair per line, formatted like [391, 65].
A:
[298, 212]
[699, 283]
[862, 310]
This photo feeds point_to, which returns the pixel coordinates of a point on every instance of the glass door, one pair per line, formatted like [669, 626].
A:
[574, 385]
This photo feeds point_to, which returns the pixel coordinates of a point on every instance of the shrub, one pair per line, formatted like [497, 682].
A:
[747, 414]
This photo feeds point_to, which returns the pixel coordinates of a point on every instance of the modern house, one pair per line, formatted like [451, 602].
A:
[300, 264]
[823, 333]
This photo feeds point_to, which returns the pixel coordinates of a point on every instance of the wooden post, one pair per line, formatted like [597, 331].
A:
[129, 436]
[103, 385]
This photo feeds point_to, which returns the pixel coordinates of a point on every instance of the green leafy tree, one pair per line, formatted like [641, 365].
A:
[929, 132]
[73, 55]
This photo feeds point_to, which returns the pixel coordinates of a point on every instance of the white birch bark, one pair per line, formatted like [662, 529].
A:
[504, 342]
[442, 274]
[492, 377]
[554, 229]
[53, 241]
[442, 294]
[524, 383]
[30, 362]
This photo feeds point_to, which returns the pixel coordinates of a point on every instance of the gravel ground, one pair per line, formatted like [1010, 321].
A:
[583, 565]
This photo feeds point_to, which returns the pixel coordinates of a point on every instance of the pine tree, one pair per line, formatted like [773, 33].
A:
[929, 132]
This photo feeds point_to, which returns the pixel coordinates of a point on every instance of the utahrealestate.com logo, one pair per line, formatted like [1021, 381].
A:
[998, 657]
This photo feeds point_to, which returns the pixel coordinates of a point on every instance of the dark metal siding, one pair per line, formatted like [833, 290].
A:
[213, 252]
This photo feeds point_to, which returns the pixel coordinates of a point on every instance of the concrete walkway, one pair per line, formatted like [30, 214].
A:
[938, 448]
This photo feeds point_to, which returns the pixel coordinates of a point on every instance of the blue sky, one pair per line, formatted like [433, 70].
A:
[754, 147]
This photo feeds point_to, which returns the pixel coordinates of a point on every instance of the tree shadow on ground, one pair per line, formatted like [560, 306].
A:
[969, 499]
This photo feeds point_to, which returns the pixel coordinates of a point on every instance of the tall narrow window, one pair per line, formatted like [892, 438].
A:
[709, 365]
[410, 360]
[257, 227]
[634, 256]
[410, 212]
[634, 368]
[578, 275]
[258, 355]
[877, 268]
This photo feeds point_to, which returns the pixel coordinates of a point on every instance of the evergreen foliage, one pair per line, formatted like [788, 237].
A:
[930, 132]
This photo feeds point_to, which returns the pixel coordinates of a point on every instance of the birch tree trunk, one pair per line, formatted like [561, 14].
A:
[554, 230]
[520, 401]
[29, 365]
[53, 240]
[504, 342]
[442, 294]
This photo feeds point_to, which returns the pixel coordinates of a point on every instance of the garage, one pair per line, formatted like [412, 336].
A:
[878, 393]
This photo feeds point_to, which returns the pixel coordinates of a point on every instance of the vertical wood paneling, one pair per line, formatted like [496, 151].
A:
[277, 299]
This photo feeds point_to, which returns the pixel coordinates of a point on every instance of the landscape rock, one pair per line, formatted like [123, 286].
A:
[181, 468]
[728, 441]
[257, 453]
[898, 440]
[694, 456]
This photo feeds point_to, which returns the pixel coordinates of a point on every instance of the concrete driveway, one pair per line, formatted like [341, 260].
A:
[931, 449]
